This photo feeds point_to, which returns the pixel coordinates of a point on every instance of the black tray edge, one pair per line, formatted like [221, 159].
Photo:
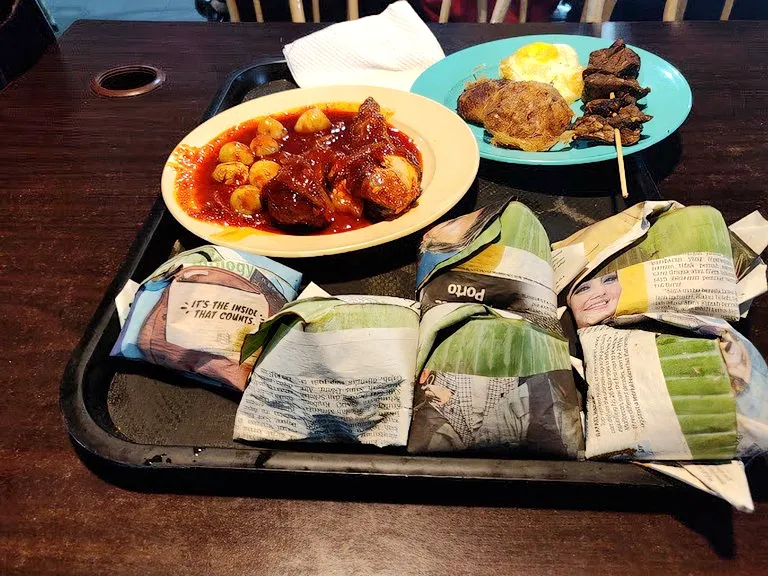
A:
[221, 94]
[92, 438]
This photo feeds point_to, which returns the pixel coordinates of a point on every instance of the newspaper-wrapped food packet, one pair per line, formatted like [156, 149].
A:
[660, 257]
[674, 387]
[493, 381]
[193, 313]
[332, 370]
[498, 255]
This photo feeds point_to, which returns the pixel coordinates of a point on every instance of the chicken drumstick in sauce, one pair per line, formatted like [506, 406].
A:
[361, 169]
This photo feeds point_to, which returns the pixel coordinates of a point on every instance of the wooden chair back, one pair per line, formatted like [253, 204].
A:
[593, 10]
[674, 10]
[297, 10]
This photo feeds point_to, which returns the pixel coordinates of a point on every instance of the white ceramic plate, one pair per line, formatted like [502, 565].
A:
[449, 153]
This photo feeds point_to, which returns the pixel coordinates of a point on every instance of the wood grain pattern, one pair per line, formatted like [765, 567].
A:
[78, 174]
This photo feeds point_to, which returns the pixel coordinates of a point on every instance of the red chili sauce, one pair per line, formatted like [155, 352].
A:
[204, 198]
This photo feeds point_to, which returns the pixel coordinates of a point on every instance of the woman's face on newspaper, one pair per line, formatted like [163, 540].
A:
[595, 300]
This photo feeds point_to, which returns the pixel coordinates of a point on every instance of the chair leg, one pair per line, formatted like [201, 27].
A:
[727, 7]
[353, 10]
[674, 10]
[234, 13]
[315, 10]
[608, 9]
[482, 11]
[593, 11]
[258, 10]
[500, 11]
[523, 16]
[445, 11]
[297, 10]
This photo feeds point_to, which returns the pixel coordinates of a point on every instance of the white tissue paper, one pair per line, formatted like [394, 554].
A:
[389, 50]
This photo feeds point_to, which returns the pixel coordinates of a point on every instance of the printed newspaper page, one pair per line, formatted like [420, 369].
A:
[345, 373]
[727, 481]
[629, 410]
[663, 257]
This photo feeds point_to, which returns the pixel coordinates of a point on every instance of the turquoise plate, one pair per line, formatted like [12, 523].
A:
[669, 102]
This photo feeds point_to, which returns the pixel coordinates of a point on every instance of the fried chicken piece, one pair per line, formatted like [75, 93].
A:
[475, 98]
[530, 116]
[368, 126]
[600, 85]
[381, 176]
[296, 196]
[380, 172]
[617, 60]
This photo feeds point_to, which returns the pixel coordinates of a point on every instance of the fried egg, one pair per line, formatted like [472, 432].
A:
[555, 64]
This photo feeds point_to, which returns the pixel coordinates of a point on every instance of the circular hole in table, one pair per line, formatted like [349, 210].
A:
[125, 81]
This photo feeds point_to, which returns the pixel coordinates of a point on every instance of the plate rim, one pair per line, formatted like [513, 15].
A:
[207, 230]
[610, 154]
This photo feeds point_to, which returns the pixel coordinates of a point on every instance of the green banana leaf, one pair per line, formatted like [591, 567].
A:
[474, 339]
[700, 388]
[689, 229]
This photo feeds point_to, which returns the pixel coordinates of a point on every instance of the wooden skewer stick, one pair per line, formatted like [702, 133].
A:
[620, 158]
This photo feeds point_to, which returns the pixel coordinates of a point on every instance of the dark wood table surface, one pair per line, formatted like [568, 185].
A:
[78, 174]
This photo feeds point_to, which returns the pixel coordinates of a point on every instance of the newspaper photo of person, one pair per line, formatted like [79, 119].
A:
[595, 300]
[493, 382]
[452, 236]
[737, 361]
[464, 412]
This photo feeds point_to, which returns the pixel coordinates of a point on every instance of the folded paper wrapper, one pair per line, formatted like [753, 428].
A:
[389, 50]
[492, 381]
[574, 259]
[498, 256]
[679, 398]
[332, 369]
[726, 480]
[494, 371]
[193, 312]
[647, 259]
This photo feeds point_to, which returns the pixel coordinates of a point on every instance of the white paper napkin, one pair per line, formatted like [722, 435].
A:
[389, 50]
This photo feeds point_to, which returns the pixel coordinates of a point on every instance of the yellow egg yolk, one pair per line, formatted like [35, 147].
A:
[540, 51]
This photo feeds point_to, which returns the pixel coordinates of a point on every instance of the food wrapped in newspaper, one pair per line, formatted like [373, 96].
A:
[493, 381]
[193, 312]
[674, 387]
[499, 256]
[660, 257]
[332, 370]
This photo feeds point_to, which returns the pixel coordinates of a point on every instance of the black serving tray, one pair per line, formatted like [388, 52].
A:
[138, 416]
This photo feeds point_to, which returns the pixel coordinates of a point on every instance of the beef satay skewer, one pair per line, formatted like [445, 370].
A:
[620, 158]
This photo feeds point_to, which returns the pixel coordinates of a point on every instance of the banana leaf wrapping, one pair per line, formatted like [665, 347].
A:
[492, 381]
[660, 257]
[684, 387]
[499, 256]
[192, 314]
[332, 370]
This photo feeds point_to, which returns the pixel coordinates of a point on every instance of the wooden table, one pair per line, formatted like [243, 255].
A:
[78, 174]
